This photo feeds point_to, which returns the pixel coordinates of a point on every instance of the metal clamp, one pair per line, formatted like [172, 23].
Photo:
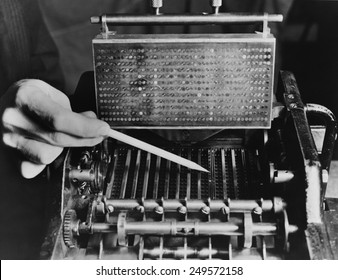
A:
[330, 131]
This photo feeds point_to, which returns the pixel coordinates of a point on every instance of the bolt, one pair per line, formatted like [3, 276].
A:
[139, 209]
[157, 3]
[225, 210]
[158, 210]
[258, 210]
[185, 230]
[182, 210]
[325, 176]
[110, 208]
[75, 181]
[216, 3]
[205, 210]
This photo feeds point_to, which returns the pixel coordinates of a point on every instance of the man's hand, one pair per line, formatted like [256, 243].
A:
[37, 120]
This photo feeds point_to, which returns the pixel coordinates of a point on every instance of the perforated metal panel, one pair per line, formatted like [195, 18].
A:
[195, 81]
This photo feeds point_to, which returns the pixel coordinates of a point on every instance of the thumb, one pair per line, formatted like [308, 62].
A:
[30, 170]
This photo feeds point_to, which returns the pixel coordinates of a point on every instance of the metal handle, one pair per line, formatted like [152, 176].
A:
[221, 18]
[203, 19]
[330, 132]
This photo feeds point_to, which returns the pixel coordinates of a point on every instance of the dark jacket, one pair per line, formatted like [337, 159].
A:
[26, 51]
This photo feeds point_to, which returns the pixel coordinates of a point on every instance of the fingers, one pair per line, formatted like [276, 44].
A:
[36, 119]
[52, 111]
[17, 122]
[25, 89]
[32, 150]
[38, 154]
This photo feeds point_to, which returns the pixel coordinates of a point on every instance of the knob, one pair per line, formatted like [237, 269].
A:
[157, 4]
[216, 4]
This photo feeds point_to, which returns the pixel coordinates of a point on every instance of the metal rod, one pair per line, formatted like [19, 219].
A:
[146, 176]
[112, 177]
[186, 228]
[166, 180]
[199, 183]
[182, 252]
[210, 248]
[195, 205]
[161, 247]
[234, 172]
[135, 177]
[157, 176]
[178, 180]
[203, 253]
[125, 175]
[225, 191]
[245, 175]
[212, 184]
[188, 178]
[220, 18]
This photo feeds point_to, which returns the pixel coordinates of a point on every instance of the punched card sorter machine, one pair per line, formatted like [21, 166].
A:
[208, 98]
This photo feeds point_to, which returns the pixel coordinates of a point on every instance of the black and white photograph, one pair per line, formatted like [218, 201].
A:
[169, 130]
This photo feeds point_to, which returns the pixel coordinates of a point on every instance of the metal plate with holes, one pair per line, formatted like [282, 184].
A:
[191, 81]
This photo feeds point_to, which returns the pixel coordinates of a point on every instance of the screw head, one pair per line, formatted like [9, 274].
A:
[182, 210]
[205, 210]
[225, 210]
[159, 210]
[139, 209]
[258, 210]
[110, 208]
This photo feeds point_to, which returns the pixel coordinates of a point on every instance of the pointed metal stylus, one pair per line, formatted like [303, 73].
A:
[154, 150]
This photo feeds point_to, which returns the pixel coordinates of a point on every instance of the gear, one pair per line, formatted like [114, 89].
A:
[70, 227]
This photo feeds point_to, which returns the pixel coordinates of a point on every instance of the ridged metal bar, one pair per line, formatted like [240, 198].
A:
[125, 175]
[199, 184]
[224, 177]
[112, 175]
[212, 187]
[234, 172]
[136, 172]
[244, 166]
[157, 176]
[189, 178]
[178, 180]
[146, 176]
[167, 179]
